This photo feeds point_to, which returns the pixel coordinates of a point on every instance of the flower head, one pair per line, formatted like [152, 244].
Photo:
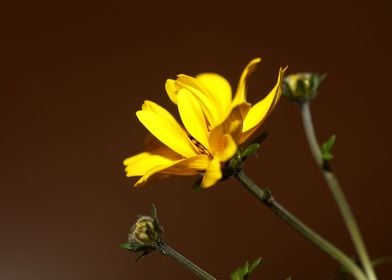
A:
[214, 124]
[302, 87]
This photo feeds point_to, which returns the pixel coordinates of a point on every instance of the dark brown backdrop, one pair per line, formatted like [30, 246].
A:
[72, 77]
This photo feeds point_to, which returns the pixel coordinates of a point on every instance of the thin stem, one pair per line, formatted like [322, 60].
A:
[337, 192]
[168, 251]
[266, 198]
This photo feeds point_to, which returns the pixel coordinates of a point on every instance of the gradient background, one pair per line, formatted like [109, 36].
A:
[72, 77]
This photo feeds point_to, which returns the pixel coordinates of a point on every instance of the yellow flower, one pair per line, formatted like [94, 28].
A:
[214, 125]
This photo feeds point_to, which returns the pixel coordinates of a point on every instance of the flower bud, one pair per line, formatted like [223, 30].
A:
[144, 232]
[301, 87]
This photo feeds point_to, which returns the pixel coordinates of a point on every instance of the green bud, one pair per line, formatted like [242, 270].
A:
[301, 87]
[146, 232]
[145, 235]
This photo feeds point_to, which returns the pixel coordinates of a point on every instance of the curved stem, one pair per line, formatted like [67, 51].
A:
[168, 251]
[266, 198]
[337, 192]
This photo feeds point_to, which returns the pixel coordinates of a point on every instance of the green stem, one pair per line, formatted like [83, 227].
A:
[168, 251]
[337, 192]
[266, 198]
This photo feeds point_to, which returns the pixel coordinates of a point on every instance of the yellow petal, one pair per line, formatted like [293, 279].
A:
[188, 166]
[156, 154]
[259, 112]
[213, 174]
[220, 91]
[205, 98]
[154, 107]
[192, 117]
[154, 146]
[171, 90]
[151, 178]
[240, 95]
[167, 131]
[234, 122]
[183, 167]
[140, 164]
[223, 146]
[227, 148]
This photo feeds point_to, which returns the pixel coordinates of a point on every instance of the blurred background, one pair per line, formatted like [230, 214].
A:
[73, 74]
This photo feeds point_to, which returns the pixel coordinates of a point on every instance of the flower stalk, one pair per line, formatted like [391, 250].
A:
[267, 199]
[337, 192]
[168, 251]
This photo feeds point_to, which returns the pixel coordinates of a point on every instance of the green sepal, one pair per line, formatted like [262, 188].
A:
[128, 246]
[249, 150]
[197, 184]
[154, 215]
[243, 273]
[143, 254]
[260, 138]
[302, 88]
[326, 148]
[135, 247]
[317, 79]
[252, 147]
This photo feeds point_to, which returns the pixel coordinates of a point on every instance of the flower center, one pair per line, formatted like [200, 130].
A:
[199, 146]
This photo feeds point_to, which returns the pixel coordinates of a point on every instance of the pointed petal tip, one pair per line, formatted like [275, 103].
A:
[255, 60]
[147, 104]
[283, 69]
[181, 75]
[240, 95]
[140, 183]
[204, 186]
[208, 182]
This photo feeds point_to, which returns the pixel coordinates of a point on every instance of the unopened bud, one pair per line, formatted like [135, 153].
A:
[144, 232]
[301, 87]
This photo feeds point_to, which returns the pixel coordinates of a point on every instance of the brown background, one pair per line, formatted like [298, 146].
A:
[72, 76]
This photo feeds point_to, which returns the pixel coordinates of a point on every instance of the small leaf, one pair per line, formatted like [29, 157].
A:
[238, 274]
[382, 260]
[289, 278]
[326, 148]
[254, 264]
[242, 273]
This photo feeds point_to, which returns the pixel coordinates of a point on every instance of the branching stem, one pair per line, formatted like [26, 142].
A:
[266, 198]
[337, 192]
